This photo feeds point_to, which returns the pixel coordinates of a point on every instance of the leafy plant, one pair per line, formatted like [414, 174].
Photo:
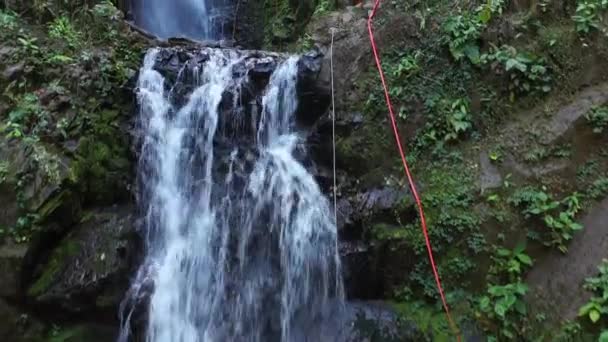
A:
[463, 32]
[557, 216]
[323, 6]
[28, 44]
[526, 73]
[504, 304]
[407, 65]
[62, 29]
[511, 262]
[589, 15]
[598, 188]
[598, 118]
[8, 20]
[27, 117]
[448, 120]
[4, 165]
[598, 304]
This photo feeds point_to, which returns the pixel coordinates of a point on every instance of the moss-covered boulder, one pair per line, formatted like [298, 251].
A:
[88, 270]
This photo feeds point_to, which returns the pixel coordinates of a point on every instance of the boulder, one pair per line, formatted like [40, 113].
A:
[89, 269]
[11, 259]
[18, 326]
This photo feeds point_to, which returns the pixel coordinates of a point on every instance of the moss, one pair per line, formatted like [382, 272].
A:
[385, 232]
[52, 204]
[99, 169]
[427, 318]
[73, 334]
[56, 264]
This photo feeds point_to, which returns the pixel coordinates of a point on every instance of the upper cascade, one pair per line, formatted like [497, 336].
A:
[194, 19]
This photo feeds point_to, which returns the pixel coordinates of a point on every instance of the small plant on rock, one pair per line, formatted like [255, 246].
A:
[62, 29]
[598, 304]
[526, 73]
[558, 216]
[589, 14]
[598, 118]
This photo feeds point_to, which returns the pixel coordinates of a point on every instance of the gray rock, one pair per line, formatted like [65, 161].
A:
[11, 259]
[490, 177]
[12, 72]
[18, 326]
[88, 270]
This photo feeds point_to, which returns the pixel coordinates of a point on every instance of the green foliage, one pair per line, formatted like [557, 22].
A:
[502, 308]
[28, 117]
[8, 20]
[598, 304]
[505, 304]
[526, 72]
[4, 165]
[510, 262]
[598, 118]
[589, 15]
[464, 30]
[448, 119]
[598, 188]
[557, 216]
[323, 6]
[406, 66]
[62, 29]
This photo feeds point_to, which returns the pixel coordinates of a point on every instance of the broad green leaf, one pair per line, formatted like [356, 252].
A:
[594, 316]
[525, 259]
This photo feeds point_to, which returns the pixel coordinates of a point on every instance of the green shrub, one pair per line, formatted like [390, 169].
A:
[557, 216]
[62, 29]
[589, 15]
[526, 72]
[598, 118]
[597, 306]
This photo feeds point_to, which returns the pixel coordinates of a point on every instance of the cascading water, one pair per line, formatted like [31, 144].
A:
[198, 19]
[241, 244]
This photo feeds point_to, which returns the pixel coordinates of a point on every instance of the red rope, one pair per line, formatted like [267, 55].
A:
[408, 173]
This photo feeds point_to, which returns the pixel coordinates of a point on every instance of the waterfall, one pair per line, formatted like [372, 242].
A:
[240, 242]
[198, 19]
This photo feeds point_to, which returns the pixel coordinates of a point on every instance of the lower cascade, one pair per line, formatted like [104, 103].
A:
[241, 244]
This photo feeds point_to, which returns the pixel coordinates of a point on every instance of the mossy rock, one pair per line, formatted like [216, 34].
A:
[84, 332]
[88, 270]
[102, 169]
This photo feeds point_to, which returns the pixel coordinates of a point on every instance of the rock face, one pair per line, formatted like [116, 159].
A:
[372, 266]
[557, 274]
[89, 269]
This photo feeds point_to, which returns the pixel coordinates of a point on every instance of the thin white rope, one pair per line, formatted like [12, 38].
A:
[333, 123]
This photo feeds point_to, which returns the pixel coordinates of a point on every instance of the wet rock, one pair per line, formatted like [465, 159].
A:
[358, 270]
[371, 204]
[18, 326]
[369, 321]
[556, 281]
[89, 269]
[11, 259]
[490, 177]
[12, 72]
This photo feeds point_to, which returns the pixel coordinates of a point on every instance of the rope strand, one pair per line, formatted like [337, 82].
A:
[333, 123]
[408, 174]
